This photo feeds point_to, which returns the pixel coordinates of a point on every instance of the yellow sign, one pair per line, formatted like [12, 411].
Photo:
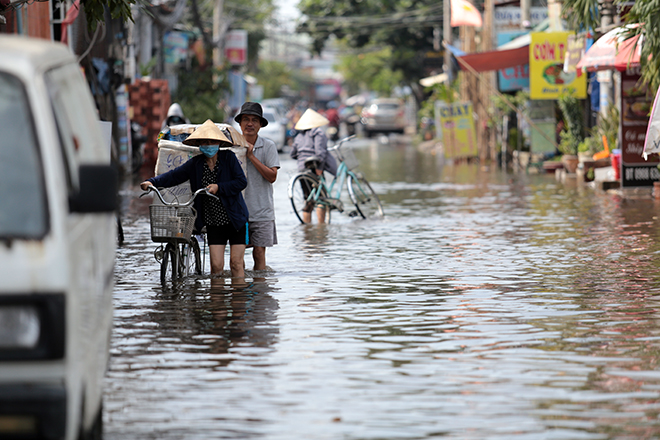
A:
[547, 78]
[457, 125]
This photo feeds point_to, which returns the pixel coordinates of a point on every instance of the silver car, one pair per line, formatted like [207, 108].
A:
[383, 115]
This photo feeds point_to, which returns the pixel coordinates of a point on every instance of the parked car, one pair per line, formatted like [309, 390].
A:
[280, 104]
[275, 130]
[57, 245]
[383, 115]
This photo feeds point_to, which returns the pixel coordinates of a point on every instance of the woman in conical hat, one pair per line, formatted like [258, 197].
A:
[221, 173]
[311, 119]
[311, 140]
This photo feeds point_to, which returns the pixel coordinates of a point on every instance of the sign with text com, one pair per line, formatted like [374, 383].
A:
[236, 44]
[547, 78]
[456, 121]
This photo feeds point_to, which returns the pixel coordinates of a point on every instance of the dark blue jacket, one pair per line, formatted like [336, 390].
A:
[231, 181]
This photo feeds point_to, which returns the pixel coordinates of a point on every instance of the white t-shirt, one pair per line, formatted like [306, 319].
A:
[259, 192]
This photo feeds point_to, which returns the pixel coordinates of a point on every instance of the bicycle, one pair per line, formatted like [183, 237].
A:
[307, 190]
[172, 224]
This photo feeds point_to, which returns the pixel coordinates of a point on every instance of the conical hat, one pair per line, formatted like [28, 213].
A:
[207, 131]
[311, 119]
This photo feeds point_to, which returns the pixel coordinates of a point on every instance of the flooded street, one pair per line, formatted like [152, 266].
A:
[485, 305]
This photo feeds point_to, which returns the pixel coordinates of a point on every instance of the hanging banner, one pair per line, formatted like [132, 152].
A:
[575, 52]
[456, 121]
[513, 78]
[510, 17]
[175, 47]
[636, 102]
[236, 43]
[547, 78]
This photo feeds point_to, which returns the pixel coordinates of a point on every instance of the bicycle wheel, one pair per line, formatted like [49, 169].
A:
[303, 199]
[169, 263]
[364, 197]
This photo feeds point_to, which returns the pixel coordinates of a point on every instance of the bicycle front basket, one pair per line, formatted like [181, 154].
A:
[171, 222]
[344, 153]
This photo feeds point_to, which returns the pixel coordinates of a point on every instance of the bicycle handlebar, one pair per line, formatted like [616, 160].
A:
[152, 188]
[338, 144]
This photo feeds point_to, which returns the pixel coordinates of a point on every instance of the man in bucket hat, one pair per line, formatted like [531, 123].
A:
[262, 166]
[221, 173]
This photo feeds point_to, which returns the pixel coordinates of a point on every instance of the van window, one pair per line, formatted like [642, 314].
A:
[76, 114]
[23, 207]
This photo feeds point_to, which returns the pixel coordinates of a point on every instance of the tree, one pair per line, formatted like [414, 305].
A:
[369, 71]
[585, 15]
[647, 13]
[201, 89]
[250, 15]
[403, 26]
[95, 10]
[273, 75]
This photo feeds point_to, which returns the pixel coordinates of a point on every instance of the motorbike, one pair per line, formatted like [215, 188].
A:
[350, 119]
[138, 140]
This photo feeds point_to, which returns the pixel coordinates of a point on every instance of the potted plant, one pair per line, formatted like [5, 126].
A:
[573, 132]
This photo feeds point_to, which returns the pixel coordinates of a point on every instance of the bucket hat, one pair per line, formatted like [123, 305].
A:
[311, 119]
[208, 131]
[251, 108]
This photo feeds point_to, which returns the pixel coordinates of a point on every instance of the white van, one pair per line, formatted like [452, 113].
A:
[57, 245]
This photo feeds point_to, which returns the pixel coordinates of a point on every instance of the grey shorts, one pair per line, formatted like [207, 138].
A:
[262, 234]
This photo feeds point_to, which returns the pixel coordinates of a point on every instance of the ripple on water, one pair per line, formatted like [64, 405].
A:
[484, 306]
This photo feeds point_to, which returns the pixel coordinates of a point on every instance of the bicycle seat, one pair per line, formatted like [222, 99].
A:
[313, 162]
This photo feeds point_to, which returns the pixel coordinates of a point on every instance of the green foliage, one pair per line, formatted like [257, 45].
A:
[95, 10]
[573, 133]
[200, 92]
[585, 15]
[250, 15]
[146, 69]
[403, 26]
[608, 126]
[590, 144]
[369, 70]
[273, 75]
[581, 15]
[439, 92]
[519, 100]
[647, 13]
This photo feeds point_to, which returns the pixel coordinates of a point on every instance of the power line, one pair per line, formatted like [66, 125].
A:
[375, 18]
[426, 21]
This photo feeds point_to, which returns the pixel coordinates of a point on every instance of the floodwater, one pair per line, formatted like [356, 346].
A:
[485, 305]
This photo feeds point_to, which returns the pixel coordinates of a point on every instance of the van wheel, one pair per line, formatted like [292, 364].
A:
[95, 432]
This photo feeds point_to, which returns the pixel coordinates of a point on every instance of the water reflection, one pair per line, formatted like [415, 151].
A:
[484, 306]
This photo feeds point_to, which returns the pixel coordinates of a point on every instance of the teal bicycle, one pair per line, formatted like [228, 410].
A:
[309, 191]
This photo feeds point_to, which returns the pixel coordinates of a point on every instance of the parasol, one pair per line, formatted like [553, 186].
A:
[613, 51]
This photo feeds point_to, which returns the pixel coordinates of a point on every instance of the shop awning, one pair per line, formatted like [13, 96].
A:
[611, 51]
[512, 54]
[496, 59]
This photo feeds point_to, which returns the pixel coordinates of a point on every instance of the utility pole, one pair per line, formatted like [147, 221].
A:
[218, 34]
[446, 35]
[607, 86]
[487, 82]
[525, 14]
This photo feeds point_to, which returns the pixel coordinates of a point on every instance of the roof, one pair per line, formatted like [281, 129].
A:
[18, 52]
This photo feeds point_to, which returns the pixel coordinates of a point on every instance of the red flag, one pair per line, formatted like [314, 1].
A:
[463, 13]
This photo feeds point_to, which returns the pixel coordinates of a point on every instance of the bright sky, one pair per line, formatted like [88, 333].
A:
[288, 8]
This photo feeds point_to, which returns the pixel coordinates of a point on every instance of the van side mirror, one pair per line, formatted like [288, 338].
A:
[98, 189]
